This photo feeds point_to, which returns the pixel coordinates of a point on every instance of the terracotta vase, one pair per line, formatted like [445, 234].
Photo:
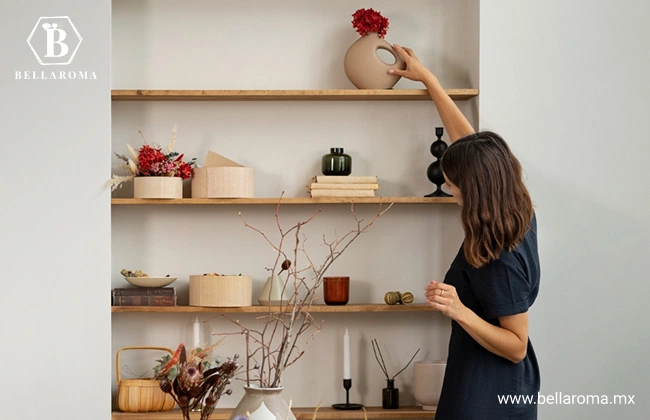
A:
[157, 187]
[365, 69]
[427, 382]
[262, 404]
[336, 290]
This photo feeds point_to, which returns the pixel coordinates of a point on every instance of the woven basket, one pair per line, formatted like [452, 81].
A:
[141, 395]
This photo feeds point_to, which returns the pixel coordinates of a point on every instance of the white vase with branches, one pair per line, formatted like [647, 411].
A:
[276, 343]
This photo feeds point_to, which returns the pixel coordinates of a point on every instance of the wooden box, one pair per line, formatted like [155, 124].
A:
[223, 182]
[221, 291]
[157, 187]
[221, 177]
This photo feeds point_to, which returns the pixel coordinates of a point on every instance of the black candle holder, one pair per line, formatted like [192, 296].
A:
[347, 384]
[434, 172]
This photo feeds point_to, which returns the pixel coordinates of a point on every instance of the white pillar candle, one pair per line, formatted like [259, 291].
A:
[197, 332]
[346, 355]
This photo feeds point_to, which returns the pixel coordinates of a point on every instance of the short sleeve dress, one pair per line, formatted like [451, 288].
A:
[475, 377]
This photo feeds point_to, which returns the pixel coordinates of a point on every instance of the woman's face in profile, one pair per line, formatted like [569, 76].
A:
[454, 190]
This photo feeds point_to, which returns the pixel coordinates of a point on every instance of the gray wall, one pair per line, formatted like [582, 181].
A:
[55, 229]
[566, 83]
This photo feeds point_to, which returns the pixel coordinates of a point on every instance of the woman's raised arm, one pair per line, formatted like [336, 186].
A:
[454, 121]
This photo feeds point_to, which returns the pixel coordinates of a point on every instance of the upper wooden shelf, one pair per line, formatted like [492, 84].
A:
[287, 95]
[257, 309]
[301, 413]
[284, 201]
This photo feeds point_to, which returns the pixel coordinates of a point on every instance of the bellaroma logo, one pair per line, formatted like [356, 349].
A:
[54, 41]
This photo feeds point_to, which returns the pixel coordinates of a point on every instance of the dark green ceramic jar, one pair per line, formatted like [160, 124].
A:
[336, 162]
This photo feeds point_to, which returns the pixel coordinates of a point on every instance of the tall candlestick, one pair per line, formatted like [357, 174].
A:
[197, 332]
[347, 378]
[346, 355]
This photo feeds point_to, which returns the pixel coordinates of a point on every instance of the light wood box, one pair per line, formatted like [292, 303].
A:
[221, 291]
[223, 182]
[157, 187]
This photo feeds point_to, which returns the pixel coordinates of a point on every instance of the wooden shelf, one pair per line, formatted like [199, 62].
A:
[301, 413]
[258, 309]
[287, 95]
[284, 201]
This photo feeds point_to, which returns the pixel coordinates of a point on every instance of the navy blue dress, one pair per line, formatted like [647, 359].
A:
[475, 377]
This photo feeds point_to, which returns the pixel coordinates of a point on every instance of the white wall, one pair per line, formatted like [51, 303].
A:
[55, 229]
[566, 83]
[252, 44]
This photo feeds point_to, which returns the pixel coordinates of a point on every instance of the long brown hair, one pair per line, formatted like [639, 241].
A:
[497, 209]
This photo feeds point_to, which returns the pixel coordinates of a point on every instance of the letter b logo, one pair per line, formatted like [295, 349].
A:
[54, 40]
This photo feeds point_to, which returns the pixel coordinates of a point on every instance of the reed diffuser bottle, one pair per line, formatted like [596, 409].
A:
[390, 394]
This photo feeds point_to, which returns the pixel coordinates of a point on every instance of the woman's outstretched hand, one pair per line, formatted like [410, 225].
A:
[415, 70]
[443, 297]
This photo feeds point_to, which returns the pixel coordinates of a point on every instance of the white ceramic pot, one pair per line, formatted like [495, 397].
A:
[262, 404]
[272, 292]
[427, 382]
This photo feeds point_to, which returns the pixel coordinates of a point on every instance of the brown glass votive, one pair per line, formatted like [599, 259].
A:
[336, 290]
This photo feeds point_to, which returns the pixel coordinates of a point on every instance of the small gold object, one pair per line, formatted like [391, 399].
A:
[395, 298]
[407, 297]
[391, 298]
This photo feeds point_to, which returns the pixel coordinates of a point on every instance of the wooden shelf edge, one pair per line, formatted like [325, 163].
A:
[286, 95]
[257, 309]
[283, 201]
[301, 413]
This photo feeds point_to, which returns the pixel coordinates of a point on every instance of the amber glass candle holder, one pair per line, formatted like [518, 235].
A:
[336, 290]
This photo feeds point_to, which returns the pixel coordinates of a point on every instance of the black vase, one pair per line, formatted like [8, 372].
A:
[337, 163]
[390, 395]
[434, 171]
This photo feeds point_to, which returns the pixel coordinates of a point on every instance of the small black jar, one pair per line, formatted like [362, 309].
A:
[390, 395]
[336, 162]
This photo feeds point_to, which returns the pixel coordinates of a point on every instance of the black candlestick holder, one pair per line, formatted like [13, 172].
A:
[347, 384]
[434, 172]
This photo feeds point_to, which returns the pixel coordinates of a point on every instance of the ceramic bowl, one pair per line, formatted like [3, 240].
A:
[150, 281]
[428, 376]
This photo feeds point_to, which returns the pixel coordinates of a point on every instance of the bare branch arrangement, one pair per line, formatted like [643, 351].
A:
[274, 347]
[380, 359]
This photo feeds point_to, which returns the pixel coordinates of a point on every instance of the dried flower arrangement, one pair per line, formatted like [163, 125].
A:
[382, 364]
[193, 380]
[274, 347]
[151, 161]
[369, 20]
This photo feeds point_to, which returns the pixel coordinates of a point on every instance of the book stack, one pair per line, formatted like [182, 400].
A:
[343, 186]
[144, 296]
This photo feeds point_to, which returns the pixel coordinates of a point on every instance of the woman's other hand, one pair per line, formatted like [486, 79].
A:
[415, 70]
[443, 297]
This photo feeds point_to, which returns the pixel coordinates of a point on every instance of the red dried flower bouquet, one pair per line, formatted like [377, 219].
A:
[152, 161]
[369, 20]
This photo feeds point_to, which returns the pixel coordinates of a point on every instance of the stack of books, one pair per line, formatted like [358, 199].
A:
[343, 186]
[144, 296]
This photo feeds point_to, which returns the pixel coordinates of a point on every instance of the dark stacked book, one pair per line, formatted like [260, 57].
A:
[144, 296]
